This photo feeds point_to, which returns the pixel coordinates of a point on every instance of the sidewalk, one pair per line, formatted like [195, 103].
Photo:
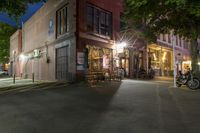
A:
[162, 78]
[7, 82]
[7, 85]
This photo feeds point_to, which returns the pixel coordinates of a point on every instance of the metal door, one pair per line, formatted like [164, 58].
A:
[62, 63]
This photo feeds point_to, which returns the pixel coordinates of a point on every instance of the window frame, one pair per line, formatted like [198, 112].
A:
[62, 12]
[98, 26]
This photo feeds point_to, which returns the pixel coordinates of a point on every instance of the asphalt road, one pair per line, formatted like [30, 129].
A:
[127, 107]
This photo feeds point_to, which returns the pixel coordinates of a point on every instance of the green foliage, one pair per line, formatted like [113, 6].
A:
[15, 8]
[157, 16]
[5, 32]
[161, 16]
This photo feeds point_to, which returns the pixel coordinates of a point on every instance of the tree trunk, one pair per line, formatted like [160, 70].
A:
[194, 55]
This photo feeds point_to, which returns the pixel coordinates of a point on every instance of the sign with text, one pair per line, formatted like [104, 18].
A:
[80, 61]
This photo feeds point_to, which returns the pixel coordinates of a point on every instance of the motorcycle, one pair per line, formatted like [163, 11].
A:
[187, 79]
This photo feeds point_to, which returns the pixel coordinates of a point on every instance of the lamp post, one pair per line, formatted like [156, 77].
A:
[199, 65]
[174, 59]
[14, 66]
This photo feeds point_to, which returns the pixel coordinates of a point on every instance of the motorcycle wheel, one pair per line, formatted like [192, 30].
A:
[193, 84]
[178, 85]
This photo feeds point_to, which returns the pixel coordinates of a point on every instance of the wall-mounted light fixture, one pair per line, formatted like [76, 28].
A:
[121, 46]
[22, 57]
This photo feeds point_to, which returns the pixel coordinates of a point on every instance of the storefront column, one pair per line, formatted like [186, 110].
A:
[161, 63]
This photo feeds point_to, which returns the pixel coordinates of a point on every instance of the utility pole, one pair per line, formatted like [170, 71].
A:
[174, 58]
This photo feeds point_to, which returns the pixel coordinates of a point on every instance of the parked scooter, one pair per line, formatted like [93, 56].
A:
[187, 79]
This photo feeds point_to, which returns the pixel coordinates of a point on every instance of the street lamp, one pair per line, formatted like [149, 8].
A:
[22, 56]
[121, 46]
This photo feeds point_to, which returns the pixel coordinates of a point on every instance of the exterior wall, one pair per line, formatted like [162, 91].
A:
[114, 7]
[40, 41]
[182, 50]
[16, 43]
[137, 57]
[37, 34]
[108, 5]
[15, 50]
[86, 38]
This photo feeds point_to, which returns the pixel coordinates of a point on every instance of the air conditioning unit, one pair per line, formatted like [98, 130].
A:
[36, 53]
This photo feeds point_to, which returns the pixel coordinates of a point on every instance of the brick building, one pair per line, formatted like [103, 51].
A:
[65, 39]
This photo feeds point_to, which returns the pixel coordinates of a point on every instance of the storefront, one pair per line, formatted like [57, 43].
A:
[99, 59]
[123, 61]
[160, 60]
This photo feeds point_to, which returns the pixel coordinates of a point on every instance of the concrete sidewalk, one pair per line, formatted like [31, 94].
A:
[162, 78]
[6, 82]
[7, 85]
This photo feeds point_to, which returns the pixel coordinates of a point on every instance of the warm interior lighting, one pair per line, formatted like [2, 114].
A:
[121, 46]
[154, 56]
[164, 56]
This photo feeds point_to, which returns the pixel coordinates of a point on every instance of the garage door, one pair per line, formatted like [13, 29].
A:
[62, 63]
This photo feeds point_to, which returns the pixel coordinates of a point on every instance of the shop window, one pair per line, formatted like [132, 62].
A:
[62, 21]
[99, 59]
[99, 21]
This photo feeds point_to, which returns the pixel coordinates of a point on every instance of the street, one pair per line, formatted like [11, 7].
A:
[130, 106]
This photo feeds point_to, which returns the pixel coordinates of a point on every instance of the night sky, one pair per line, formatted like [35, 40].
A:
[31, 10]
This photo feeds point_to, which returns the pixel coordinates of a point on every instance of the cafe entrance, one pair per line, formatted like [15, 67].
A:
[99, 59]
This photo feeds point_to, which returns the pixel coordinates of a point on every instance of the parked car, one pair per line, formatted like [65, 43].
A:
[4, 72]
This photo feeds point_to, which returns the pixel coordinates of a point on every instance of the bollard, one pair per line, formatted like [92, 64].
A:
[33, 78]
[21, 75]
[14, 79]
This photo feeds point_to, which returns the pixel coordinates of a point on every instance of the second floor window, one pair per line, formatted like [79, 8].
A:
[99, 21]
[164, 37]
[169, 38]
[180, 43]
[62, 21]
[186, 44]
[177, 40]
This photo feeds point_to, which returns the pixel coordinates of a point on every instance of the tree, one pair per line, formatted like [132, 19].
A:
[158, 16]
[16, 8]
[5, 32]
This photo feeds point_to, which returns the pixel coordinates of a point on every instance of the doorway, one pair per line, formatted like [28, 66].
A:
[62, 63]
